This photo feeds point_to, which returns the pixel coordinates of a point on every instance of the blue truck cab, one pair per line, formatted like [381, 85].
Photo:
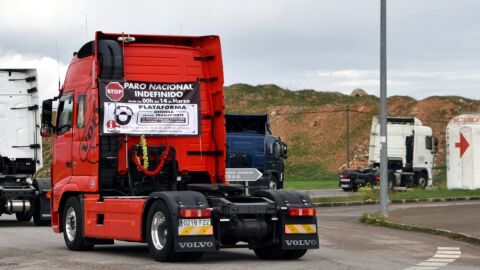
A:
[250, 144]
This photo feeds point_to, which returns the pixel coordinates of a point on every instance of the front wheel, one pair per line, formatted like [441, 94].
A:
[160, 236]
[422, 180]
[73, 226]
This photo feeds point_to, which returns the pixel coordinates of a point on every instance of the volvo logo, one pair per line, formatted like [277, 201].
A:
[207, 244]
[301, 242]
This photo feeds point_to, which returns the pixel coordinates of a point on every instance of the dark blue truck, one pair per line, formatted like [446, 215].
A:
[250, 144]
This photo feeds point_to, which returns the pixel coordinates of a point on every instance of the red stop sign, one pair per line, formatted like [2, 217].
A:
[114, 91]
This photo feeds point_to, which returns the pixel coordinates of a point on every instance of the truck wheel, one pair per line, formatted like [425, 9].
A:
[294, 254]
[160, 236]
[36, 215]
[422, 180]
[391, 180]
[73, 226]
[23, 217]
[276, 253]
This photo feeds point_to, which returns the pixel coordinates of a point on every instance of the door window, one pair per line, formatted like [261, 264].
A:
[428, 142]
[81, 111]
[65, 108]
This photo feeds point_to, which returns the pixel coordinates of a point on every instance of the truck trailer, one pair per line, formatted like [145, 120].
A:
[251, 144]
[139, 155]
[20, 148]
[411, 147]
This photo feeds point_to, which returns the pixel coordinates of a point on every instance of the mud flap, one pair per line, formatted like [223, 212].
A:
[299, 233]
[300, 242]
[294, 232]
[195, 243]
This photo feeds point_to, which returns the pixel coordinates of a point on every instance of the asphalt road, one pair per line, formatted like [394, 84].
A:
[345, 244]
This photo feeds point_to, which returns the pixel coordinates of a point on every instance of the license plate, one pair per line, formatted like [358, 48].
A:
[345, 186]
[194, 222]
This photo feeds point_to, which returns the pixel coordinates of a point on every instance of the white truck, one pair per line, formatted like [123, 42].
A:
[411, 147]
[21, 148]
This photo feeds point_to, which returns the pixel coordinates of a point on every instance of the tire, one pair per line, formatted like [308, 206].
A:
[72, 226]
[391, 179]
[422, 180]
[23, 217]
[273, 183]
[269, 253]
[276, 253]
[36, 215]
[159, 222]
[294, 254]
[347, 189]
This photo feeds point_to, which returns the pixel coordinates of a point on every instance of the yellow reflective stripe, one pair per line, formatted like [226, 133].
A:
[300, 228]
[195, 230]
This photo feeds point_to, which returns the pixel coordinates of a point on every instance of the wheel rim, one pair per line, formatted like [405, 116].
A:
[422, 182]
[71, 224]
[273, 185]
[159, 230]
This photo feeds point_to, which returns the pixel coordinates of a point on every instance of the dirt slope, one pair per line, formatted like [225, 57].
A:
[314, 123]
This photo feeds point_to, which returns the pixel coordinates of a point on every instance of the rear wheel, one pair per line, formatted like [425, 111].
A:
[276, 253]
[422, 180]
[23, 217]
[73, 226]
[37, 215]
[160, 236]
[391, 181]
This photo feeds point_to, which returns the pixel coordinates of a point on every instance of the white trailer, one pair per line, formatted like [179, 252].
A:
[410, 155]
[20, 148]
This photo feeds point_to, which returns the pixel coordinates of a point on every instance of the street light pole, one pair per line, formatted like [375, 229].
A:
[347, 135]
[383, 111]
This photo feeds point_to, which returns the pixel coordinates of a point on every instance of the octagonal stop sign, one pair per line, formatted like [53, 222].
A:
[114, 91]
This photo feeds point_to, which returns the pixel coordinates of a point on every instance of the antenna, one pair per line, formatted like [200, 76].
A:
[58, 63]
[86, 28]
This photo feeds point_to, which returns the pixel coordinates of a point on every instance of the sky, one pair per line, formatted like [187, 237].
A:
[325, 45]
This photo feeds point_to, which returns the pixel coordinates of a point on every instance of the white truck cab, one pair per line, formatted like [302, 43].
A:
[411, 147]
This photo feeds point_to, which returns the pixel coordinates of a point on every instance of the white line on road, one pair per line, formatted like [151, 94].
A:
[448, 248]
[443, 257]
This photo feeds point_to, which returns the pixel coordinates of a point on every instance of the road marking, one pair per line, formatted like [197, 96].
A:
[443, 257]
[448, 248]
[440, 260]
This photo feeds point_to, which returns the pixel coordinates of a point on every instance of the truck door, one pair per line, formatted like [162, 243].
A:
[409, 142]
[62, 163]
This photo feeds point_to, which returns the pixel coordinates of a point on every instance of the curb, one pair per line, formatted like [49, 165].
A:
[446, 233]
[355, 203]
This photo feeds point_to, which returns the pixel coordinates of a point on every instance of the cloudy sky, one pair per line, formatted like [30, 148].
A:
[326, 45]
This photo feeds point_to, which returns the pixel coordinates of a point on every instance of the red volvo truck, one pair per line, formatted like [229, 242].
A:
[139, 155]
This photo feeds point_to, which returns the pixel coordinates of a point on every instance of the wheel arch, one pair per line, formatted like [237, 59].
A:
[65, 196]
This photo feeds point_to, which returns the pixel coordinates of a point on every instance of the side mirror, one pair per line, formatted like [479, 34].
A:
[284, 150]
[434, 145]
[47, 108]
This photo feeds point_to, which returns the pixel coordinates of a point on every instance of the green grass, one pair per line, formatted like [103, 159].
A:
[408, 195]
[311, 184]
[436, 193]
[309, 175]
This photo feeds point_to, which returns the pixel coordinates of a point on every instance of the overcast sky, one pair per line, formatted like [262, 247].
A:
[326, 45]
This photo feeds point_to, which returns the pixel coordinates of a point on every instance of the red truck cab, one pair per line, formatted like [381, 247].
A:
[139, 152]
